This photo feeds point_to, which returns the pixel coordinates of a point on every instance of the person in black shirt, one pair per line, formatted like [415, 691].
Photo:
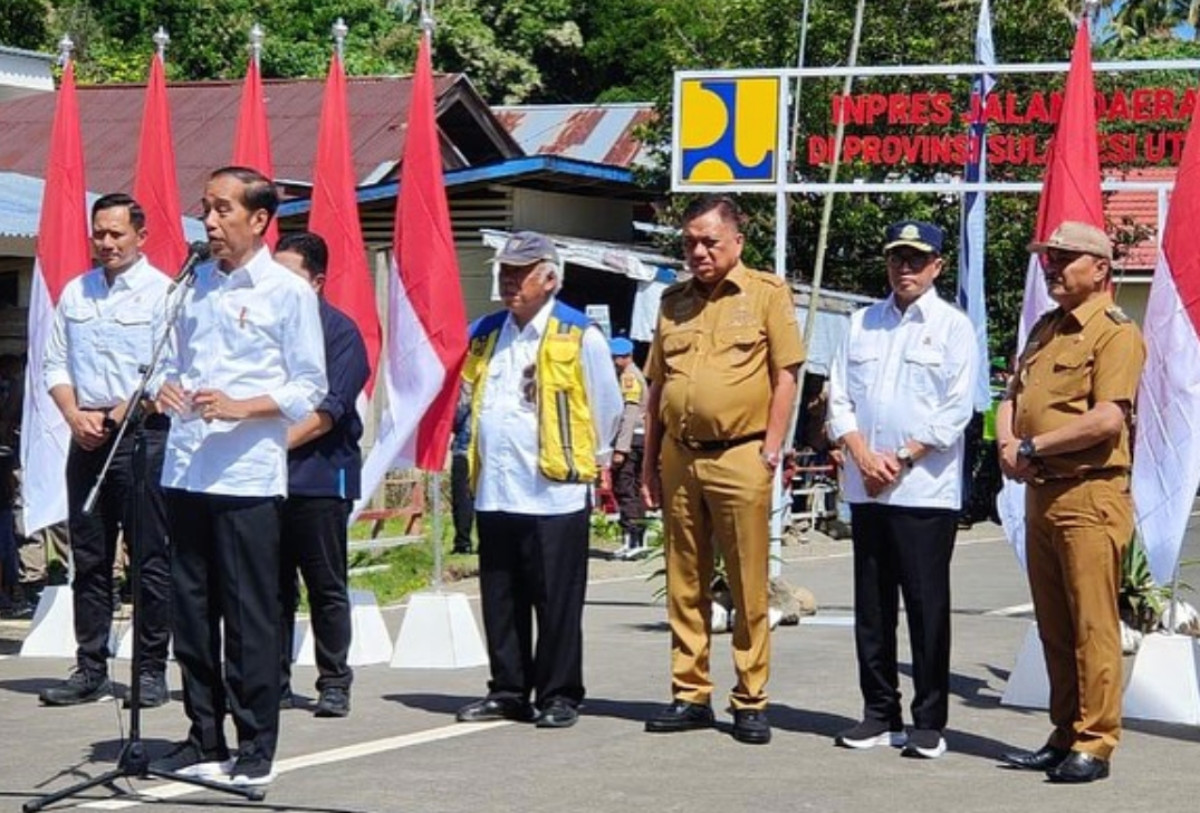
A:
[324, 466]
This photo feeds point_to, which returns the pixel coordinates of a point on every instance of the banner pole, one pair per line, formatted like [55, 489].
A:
[435, 483]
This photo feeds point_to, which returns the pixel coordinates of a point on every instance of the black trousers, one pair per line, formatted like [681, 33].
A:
[313, 542]
[627, 487]
[225, 567]
[907, 551]
[534, 566]
[94, 546]
[462, 504]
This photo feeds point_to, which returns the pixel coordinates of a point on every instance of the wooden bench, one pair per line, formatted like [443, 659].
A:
[413, 513]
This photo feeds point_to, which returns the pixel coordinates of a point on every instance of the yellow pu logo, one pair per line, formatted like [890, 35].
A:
[728, 129]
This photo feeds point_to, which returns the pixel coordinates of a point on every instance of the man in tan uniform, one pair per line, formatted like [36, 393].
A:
[723, 368]
[1064, 430]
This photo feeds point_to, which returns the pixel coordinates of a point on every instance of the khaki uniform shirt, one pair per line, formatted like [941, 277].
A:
[633, 416]
[717, 355]
[1073, 361]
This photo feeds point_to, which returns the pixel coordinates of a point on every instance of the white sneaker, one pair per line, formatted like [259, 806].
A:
[621, 554]
[925, 744]
[871, 733]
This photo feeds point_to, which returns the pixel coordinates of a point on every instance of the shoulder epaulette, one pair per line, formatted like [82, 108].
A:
[1117, 315]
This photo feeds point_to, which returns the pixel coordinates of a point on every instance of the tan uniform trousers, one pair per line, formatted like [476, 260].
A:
[1077, 531]
[722, 497]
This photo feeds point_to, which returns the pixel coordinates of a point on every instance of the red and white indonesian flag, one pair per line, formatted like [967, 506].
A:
[427, 325]
[1166, 460]
[1070, 191]
[63, 253]
[155, 184]
[252, 138]
[334, 216]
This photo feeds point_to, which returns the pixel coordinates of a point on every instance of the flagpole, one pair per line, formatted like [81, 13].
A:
[256, 40]
[435, 482]
[340, 30]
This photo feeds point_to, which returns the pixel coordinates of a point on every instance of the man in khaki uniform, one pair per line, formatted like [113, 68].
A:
[1064, 430]
[723, 368]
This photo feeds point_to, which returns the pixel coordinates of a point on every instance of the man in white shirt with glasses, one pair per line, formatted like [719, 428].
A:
[899, 400]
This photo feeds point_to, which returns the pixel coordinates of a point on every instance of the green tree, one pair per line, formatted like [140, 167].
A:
[23, 23]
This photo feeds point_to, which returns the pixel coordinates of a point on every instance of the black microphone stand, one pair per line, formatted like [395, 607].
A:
[133, 760]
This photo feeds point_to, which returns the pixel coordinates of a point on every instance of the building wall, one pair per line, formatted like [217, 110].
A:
[556, 213]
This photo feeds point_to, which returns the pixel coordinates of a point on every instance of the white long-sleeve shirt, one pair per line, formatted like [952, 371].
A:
[907, 376]
[253, 331]
[509, 478]
[103, 334]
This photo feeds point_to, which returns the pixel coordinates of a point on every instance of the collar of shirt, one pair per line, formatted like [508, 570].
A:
[919, 309]
[127, 279]
[736, 277]
[248, 275]
[1084, 313]
[535, 327]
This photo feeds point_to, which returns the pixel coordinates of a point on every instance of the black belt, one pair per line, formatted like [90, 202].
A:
[156, 422]
[718, 445]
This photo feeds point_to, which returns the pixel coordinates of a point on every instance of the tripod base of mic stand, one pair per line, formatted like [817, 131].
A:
[134, 763]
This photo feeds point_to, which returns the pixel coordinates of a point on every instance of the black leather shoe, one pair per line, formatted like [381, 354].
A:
[1079, 767]
[1046, 758]
[681, 716]
[751, 726]
[558, 714]
[496, 708]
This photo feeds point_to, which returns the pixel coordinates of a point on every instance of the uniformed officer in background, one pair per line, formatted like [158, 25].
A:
[723, 365]
[628, 449]
[1064, 429]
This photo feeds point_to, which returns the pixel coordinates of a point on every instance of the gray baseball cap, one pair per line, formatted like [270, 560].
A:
[527, 248]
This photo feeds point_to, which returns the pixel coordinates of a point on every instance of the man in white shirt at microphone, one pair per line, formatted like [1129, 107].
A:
[105, 328]
[899, 400]
[247, 359]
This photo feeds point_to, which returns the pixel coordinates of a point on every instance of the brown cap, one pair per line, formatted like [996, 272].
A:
[1072, 235]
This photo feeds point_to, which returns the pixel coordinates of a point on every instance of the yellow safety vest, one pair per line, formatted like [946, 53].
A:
[566, 434]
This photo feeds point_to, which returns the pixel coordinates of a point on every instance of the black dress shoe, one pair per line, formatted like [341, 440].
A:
[496, 708]
[558, 714]
[681, 716]
[751, 726]
[1045, 758]
[1079, 767]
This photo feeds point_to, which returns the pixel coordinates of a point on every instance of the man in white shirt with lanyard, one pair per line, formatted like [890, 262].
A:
[247, 359]
[544, 409]
[899, 400]
[105, 329]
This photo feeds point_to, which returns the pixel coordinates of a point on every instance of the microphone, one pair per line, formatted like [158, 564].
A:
[198, 252]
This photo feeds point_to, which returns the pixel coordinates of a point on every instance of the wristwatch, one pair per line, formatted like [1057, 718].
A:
[1027, 449]
[905, 456]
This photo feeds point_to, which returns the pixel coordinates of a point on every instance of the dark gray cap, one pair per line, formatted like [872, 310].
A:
[527, 248]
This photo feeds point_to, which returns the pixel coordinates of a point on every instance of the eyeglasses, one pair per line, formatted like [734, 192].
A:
[916, 260]
[529, 384]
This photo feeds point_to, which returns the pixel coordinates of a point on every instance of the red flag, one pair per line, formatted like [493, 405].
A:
[427, 325]
[334, 216]
[1166, 460]
[1070, 191]
[252, 139]
[155, 185]
[63, 253]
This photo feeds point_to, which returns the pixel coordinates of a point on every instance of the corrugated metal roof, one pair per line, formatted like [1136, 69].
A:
[21, 207]
[203, 116]
[600, 133]
[38, 55]
[1141, 208]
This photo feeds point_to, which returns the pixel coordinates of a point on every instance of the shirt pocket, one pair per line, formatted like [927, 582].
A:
[133, 334]
[83, 329]
[862, 368]
[923, 371]
[677, 347]
[739, 347]
[1070, 374]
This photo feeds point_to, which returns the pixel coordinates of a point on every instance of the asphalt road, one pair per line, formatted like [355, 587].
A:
[400, 750]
